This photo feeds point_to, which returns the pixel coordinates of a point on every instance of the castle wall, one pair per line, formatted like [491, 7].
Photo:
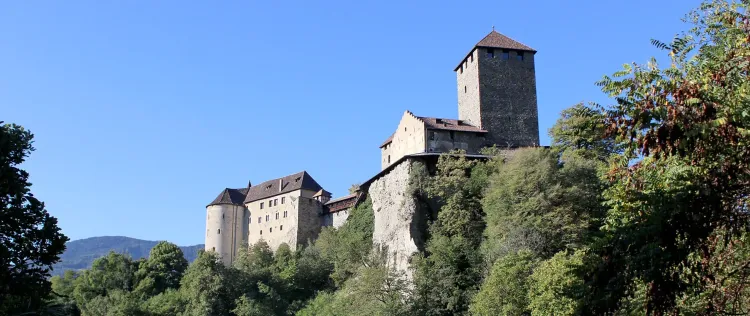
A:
[409, 138]
[300, 222]
[395, 214]
[445, 141]
[225, 230]
[264, 224]
[335, 219]
[467, 79]
[508, 98]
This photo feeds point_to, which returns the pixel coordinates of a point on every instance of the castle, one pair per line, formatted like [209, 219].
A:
[497, 106]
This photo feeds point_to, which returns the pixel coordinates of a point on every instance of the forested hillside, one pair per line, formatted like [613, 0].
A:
[638, 207]
[80, 254]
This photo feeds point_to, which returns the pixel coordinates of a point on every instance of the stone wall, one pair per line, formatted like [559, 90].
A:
[445, 141]
[396, 214]
[409, 138]
[278, 221]
[508, 98]
[467, 80]
[308, 221]
[225, 230]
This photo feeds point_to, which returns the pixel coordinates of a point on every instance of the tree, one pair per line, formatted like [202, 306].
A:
[162, 270]
[688, 125]
[30, 240]
[505, 290]
[112, 273]
[205, 287]
[557, 286]
[582, 130]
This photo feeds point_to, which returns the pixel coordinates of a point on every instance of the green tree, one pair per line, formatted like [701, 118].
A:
[505, 291]
[582, 130]
[205, 287]
[557, 286]
[162, 270]
[112, 273]
[30, 240]
[690, 123]
[167, 303]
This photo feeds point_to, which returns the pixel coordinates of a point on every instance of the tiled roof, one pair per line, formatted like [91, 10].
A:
[450, 125]
[497, 40]
[342, 203]
[293, 182]
[390, 139]
[322, 193]
[230, 196]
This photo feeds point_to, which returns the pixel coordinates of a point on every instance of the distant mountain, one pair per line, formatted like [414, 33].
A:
[80, 254]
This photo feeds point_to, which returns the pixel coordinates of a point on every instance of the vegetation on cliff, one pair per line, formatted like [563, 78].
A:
[639, 207]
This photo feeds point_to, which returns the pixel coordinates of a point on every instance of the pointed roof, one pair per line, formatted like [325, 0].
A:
[292, 182]
[230, 196]
[497, 40]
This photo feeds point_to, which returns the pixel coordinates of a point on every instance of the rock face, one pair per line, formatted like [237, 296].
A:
[397, 216]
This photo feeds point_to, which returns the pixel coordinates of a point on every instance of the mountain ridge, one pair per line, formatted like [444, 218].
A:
[81, 253]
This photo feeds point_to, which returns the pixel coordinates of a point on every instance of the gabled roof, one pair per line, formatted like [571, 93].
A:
[435, 123]
[449, 125]
[497, 40]
[230, 196]
[293, 182]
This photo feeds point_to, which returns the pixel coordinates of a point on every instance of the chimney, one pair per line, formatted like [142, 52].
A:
[281, 182]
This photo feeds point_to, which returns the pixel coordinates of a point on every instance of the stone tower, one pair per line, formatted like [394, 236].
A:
[226, 224]
[497, 91]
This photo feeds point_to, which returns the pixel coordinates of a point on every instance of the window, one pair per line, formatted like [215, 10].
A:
[389, 158]
[213, 248]
[519, 55]
[261, 232]
[275, 202]
[270, 203]
[249, 220]
[270, 230]
[218, 231]
[259, 219]
[284, 214]
[281, 227]
[432, 135]
[453, 135]
[471, 58]
[461, 69]
[465, 89]
[490, 53]
[277, 215]
[261, 205]
[282, 200]
[222, 216]
[267, 217]
[506, 54]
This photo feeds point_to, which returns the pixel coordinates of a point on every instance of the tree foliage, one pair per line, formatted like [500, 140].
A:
[30, 240]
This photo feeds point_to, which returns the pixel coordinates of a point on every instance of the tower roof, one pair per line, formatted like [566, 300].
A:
[230, 196]
[497, 40]
[293, 182]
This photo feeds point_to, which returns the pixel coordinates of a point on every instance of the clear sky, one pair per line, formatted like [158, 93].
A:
[144, 111]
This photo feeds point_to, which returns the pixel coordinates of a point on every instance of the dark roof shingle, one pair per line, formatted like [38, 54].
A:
[449, 125]
[293, 182]
[230, 196]
[497, 40]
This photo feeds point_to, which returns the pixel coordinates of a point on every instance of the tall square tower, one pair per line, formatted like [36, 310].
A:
[497, 91]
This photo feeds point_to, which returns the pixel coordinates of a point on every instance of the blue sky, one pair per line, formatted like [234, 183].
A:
[144, 111]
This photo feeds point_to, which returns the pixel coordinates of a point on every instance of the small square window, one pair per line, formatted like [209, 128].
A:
[519, 55]
[506, 55]
[490, 53]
